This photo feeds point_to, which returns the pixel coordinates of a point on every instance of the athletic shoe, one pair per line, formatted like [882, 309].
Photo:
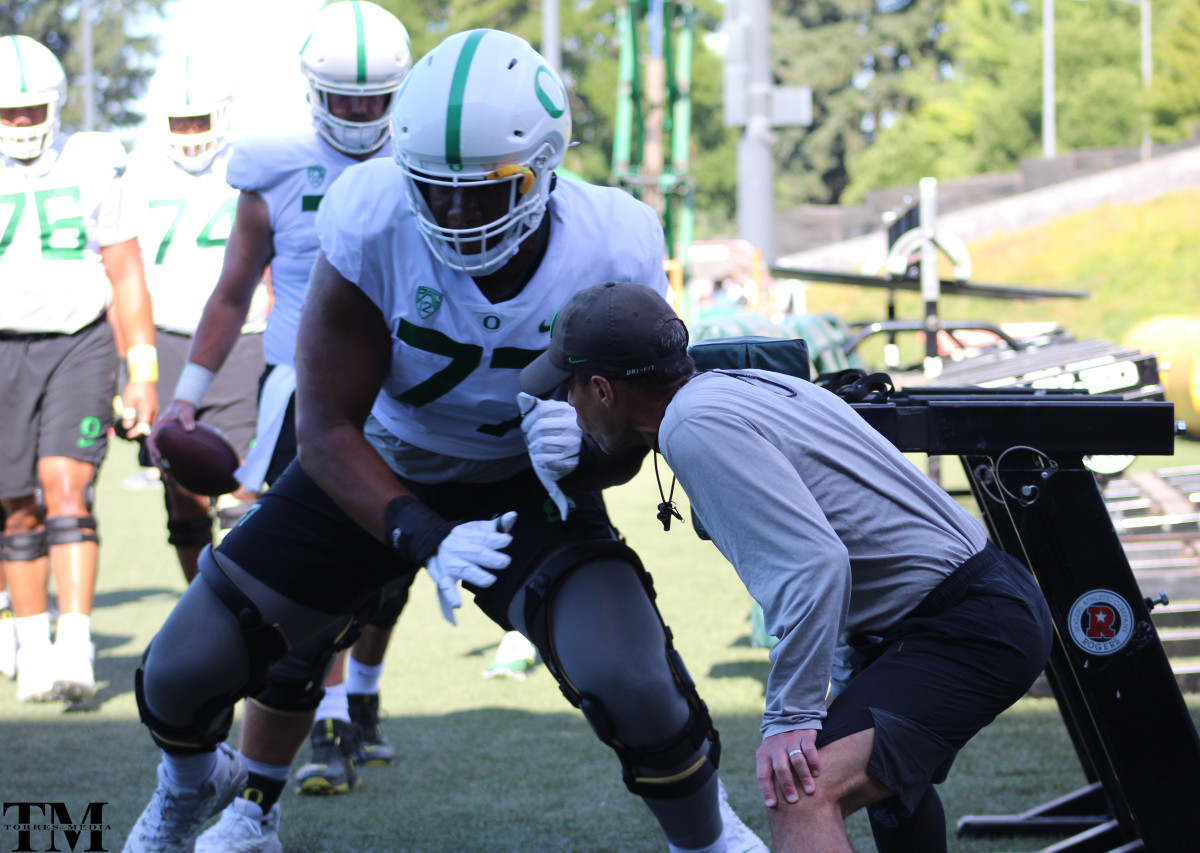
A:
[737, 836]
[8, 643]
[74, 678]
[514, 656]
[332, 769]
[375, 750]
[35, 673]
[242, 829]
[174, 815]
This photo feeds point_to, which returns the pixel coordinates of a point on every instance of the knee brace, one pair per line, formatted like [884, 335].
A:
[230, 511]
[23, 547]
[195, 532]
[211, 726]
[667, 755]
[69, 529]
[389, 610]
[296, 682]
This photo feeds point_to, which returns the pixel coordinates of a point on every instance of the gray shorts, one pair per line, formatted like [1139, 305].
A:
[56, 399]
[932, 682]
[231, 404]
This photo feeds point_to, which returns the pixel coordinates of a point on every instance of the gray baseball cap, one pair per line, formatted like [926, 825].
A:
[608, 330]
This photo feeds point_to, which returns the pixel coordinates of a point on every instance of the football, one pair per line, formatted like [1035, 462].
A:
[202, 461]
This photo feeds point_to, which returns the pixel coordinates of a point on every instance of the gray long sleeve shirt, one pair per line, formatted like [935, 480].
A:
[832, 530]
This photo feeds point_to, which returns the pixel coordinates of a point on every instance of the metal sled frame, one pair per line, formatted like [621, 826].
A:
[1023, 454]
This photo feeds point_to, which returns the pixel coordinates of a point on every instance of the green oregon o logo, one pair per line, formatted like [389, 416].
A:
[544, 97]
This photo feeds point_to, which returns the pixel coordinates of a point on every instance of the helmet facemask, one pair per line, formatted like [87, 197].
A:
[195, 152]
[349, 137]
[517, 193]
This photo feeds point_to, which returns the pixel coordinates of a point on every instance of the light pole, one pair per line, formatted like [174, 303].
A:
[1049, 119]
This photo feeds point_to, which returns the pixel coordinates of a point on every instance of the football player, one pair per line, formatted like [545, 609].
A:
[438, 279]
[177, 179]
[67, 250]
[354, 61]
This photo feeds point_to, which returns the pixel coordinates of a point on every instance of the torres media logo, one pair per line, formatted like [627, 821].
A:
[1101, 622]
[51, 827]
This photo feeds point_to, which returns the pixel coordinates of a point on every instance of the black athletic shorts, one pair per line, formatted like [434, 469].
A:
[301, 544]
[56, 399]
[231, 403]
[935, 680]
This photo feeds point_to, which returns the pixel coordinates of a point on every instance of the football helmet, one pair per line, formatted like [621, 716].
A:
[482, 108]
[360, 49]
[192, 85]
[30, 75]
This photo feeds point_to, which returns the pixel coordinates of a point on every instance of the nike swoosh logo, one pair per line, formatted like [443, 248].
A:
[544, 326]
[575, 360]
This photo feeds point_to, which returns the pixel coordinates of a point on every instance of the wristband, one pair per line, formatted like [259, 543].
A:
[413, 530]
[142, 361]
[193, 383]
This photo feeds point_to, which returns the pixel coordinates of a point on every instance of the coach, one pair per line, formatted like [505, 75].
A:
[902, 630]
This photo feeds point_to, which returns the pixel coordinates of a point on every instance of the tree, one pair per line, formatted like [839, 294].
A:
[119, 72]
[983, 113]
[856, 60]
[1174, 100]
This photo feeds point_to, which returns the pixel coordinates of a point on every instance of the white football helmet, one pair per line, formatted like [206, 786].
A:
[355, 48]
[186, 85]
[483, 107]
[30, 75]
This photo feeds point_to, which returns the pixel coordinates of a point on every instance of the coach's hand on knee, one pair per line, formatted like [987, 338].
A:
[787, 763]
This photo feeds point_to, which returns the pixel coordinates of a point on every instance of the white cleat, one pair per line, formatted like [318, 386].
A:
[35, 673]
[8, 644]
[74, 678]
[173, 817]
[738, 837]
[243, 829]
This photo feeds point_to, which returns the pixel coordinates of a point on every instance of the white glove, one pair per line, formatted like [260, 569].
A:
[468, 547]
[554, 438]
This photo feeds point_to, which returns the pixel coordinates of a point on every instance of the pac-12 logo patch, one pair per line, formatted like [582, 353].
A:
[316, 175]
[1101, 622]
[428, 300]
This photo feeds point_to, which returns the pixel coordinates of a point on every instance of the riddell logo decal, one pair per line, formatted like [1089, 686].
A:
[1101, 622]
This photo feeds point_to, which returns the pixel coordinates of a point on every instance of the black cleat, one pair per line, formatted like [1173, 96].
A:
[375, 750]
[334, 755]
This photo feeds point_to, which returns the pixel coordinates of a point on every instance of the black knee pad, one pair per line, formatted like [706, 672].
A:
[195, 532]
[69, 529]
[669, 754]
[23, 547]
[209, 728]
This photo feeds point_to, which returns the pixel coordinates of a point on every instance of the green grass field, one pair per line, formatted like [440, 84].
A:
[485, 765]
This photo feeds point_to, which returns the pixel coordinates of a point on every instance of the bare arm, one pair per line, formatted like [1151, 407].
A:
[343, 351]
[247, 253]
[135, 322]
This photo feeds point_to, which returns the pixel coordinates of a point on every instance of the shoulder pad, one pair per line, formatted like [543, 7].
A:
[260, 162]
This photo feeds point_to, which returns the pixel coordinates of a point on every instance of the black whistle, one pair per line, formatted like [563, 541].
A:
[667, 510]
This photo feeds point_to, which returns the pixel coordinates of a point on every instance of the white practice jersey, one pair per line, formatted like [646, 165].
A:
[55, 215]
[456, 357]
[292, 173]
[184, 222]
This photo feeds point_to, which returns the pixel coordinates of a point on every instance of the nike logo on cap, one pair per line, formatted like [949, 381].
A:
[545, 327]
